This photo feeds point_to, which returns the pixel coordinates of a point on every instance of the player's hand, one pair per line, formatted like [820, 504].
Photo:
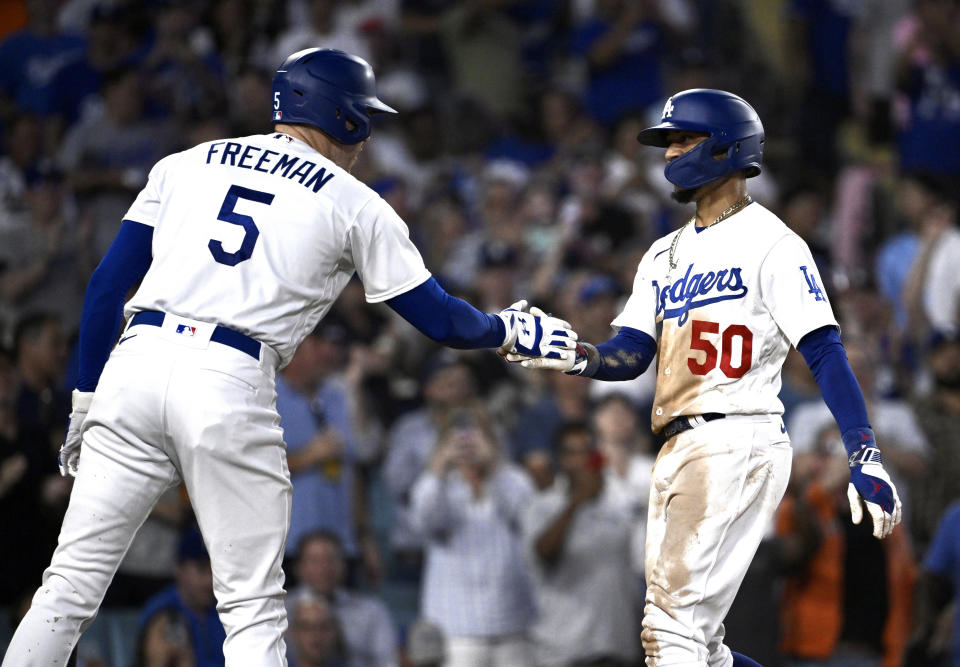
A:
[870, 485]
[536, 334]
[565, 359]
[69, 458]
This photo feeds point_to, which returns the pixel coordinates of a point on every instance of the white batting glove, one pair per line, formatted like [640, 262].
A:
[870, 485]
[566, 360]
[69, 457]
[536, 334]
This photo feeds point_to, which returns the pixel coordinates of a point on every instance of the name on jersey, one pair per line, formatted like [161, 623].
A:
[246, 156]
[694, 290]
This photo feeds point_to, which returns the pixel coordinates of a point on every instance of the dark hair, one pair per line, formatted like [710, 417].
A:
[172, 616]
[30, 326]
[321, 535]
[932, 184]
[569, 428]
[117, 74]
[615, 397]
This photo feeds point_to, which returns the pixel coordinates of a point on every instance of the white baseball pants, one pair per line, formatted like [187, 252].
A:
[171, 408]
[715, 490]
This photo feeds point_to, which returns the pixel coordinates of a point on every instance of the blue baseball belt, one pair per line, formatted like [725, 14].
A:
[221, 334]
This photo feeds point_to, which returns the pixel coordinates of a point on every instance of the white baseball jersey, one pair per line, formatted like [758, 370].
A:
[742, 291]
[261, 234]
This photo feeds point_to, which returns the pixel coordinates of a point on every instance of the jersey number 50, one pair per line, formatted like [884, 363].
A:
[250, 231]
[701, 344]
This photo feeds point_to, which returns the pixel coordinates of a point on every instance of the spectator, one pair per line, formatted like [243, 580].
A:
[22, 157]
[483, 51]
[41, 412]
[597, 301]
[578, 535]
[939, 417]
[369, 636]
[919, 196]
[314, 636]
[322, 27]
[628, 464]
[497, 277]
[111, 42]
[192, 597]
[928, 82]
[562, 399]
[447, 382]
[622, 46]
[932, 292]
[468, 504]
[602, 226]
[851, 584]
[29, 59]
[109, 151]
[182, 78]
[804, 209]
[426, 645]
[539, 464]
[164, 641]
[936, 589]
[821, 35]
[319, 417]
[20, 479]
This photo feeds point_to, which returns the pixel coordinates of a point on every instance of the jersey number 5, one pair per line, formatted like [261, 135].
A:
[701, 344]
[250, 231]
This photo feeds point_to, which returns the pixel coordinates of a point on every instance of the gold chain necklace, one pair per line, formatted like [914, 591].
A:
[737, 205]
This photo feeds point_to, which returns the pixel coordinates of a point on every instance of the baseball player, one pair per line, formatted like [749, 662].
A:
[242, 246]
[720, 301]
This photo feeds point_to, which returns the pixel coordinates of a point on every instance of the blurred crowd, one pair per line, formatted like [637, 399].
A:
[510, 504]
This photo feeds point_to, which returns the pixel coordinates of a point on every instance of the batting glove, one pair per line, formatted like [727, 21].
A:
[69, 458]
[536, 334]
[870, 485]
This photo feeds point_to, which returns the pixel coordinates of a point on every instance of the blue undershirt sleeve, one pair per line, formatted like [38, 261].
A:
[623, 357]
[446, 319]
[125, 264]
[824, 354]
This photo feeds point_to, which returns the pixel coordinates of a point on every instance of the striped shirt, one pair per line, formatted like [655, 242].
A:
[475, 583]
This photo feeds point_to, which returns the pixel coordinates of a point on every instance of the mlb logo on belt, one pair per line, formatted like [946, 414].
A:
[186, 330]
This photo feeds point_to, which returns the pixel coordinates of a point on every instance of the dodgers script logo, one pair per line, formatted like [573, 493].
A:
[698, 289]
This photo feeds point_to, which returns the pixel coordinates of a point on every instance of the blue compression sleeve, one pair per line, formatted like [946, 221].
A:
[125, 263]
[447, 319]
[623, 357]
[824, 354]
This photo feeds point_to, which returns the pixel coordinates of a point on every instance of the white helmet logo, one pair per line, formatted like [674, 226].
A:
[667, 109]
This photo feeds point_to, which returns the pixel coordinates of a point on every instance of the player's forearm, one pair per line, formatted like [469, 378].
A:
[623, 357]
[125, 264]
[824, 354]
[446, 319]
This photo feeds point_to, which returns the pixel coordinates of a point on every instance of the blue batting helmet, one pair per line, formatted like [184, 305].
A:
[326, 88]
[735, 142]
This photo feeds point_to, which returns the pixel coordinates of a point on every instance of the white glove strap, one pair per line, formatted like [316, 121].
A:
[80, 400]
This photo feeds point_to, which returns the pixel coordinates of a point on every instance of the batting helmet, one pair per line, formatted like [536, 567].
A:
[735, 142]
[326, 88]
